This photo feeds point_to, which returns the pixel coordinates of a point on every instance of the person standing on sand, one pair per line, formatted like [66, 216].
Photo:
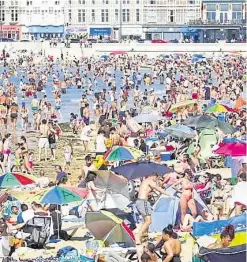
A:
[144, 207]
[43, 139]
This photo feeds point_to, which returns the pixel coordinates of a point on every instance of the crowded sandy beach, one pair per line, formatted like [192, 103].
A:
[123, 156]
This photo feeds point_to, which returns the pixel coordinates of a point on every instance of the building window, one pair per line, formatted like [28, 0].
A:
[81, 2]
[116, 15]
[70, 2]
[237, 16]
[29, 3]
[191, 2]
[81, 16]
[102, 15]
[106, 15]
[14, 15]
[137, 15]
[137, 2]
[171, 20]
[152, 2]
[236, 7]
[1, 3]
[57, 2]
[224, 7]
[116, 2]
[211, 16]
[126, 15]
[93, 2]
[70, 15]
[2, 15]
[50, 10]
[93, 15]
[211, 7]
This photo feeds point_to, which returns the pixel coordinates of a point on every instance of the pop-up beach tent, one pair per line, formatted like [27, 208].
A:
[167, 211]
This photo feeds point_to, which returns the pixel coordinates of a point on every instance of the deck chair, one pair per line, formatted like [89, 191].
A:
[40, 228]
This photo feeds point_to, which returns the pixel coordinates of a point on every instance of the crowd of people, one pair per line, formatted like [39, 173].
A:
[114, 90]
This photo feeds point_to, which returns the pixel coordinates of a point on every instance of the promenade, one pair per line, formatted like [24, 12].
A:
[150, 49]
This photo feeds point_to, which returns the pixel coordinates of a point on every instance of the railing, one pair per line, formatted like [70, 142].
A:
[216, 22]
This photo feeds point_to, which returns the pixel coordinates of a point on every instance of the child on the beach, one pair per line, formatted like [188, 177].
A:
[68, 155]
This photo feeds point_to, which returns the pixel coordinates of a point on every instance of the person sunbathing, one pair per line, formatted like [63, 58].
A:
[188, 221]
[226, 238]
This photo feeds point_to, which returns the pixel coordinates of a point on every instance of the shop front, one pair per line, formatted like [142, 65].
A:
[97, 32]
[47, 32]
[132, 32]
[10, 32]
[76, 32]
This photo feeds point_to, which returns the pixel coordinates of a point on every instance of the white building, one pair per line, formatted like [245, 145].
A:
[55, 18]
[37, 17]
[102, 17]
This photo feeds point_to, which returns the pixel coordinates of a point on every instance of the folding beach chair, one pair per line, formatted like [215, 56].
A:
[40, 228]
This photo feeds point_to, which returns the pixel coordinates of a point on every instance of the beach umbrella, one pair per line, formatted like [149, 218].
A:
[57, 195]
[122, 153]
[182, 104]
[218, 108]
[117, 189]
[141, 169]
[104, 57]
[226, 128]
[232, 149]
[15, 180]
[202, 121]
[148, 117]
[181, 131]
[118, 53]
[82, 192]
[109, 228]
[206, 121]
[198, 56]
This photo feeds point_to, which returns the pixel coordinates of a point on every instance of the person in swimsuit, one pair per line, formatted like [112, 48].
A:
[93, 192]
[86, 114]
[24, 117]
[14, 114]
[187, 196]
[6, 152]
[58, 105]
[172, 247]
[143, 205]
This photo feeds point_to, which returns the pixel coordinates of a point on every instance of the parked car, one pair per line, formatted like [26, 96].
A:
[25, 40]
[74, 40]
[92, 41]
[159, 41]
[174, 41]
[7, 40]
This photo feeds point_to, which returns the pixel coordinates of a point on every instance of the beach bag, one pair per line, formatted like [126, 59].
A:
[92, 246]
[68, 254]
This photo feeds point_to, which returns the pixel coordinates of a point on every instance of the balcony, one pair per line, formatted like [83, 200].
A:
[216, 22]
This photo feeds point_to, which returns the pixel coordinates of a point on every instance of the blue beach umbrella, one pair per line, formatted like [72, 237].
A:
[104, 57]
[141, 169]
[180, 131]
